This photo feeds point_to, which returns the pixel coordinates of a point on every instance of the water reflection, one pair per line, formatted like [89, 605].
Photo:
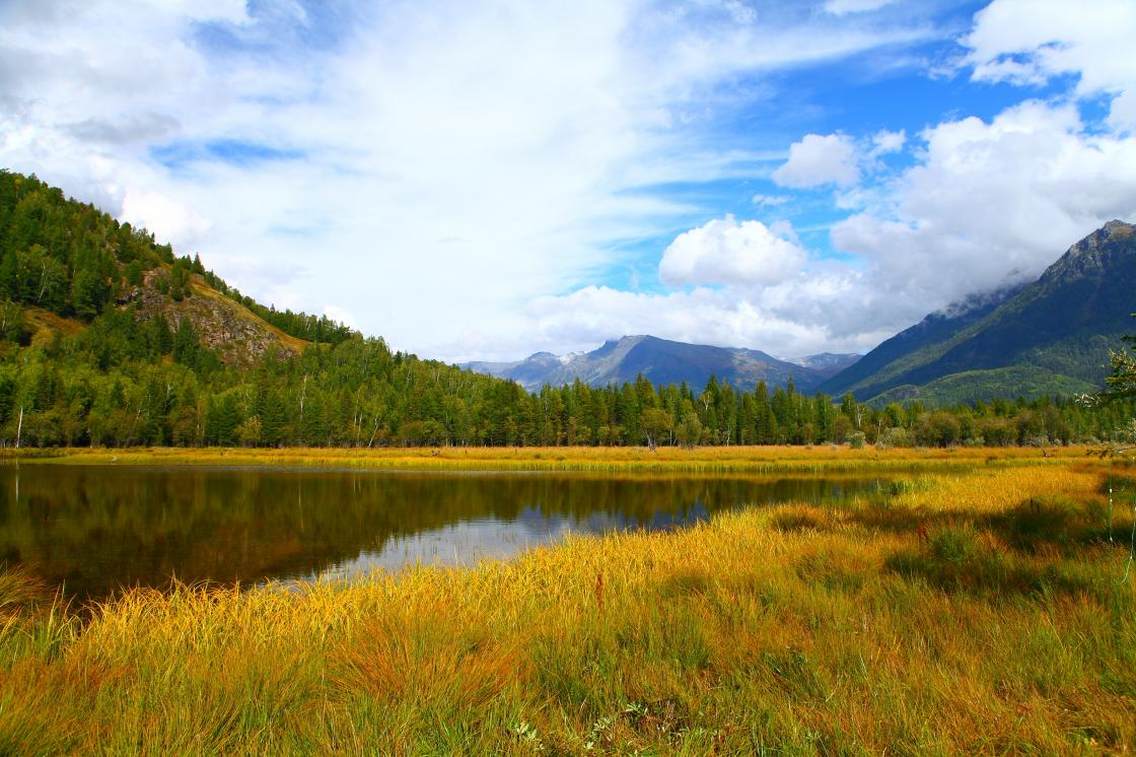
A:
[93, 529]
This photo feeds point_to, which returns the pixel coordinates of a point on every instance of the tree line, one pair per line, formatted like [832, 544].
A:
[124, 379]
[128, 382]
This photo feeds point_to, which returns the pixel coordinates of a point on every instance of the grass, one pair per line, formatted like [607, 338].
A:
[44, 325]
[980, 611]
[748, 460]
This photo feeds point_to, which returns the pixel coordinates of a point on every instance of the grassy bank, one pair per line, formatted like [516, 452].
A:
[976, 612]
[820, 459]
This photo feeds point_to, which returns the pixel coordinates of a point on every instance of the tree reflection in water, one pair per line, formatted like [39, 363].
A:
[93, 529]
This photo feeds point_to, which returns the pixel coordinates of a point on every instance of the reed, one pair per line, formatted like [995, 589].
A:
[974, 611]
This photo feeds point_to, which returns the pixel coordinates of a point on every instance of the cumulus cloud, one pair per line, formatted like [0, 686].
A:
[724, 251]
[386, 156]
[466, 175]
[992, 202]
[1122, 114]
[168, 219]
[885, 142]
[703, 316]
[819, 160]
[340, 315]
[1033, 41]
[988, 203]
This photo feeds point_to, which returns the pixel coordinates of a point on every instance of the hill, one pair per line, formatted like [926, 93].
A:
[664, 362]
[107, 338]
[1052, 336]
[64, 264]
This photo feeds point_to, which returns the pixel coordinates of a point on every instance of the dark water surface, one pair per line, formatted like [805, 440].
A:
[94, 529]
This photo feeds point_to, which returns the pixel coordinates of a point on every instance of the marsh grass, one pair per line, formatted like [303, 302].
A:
[968, 613]
[716, 460]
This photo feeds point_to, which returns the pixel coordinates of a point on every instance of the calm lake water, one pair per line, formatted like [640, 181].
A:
[94, 529]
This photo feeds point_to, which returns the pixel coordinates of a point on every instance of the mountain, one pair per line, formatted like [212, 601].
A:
[827, 364]
[1052, 336]
[662, 362]
[66, 267]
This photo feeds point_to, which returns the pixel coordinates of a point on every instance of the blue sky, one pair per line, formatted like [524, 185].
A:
[489, 178]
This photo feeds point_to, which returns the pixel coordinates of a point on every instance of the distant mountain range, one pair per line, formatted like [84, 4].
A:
[1052, 336]
[1049, 337]
[665, 362]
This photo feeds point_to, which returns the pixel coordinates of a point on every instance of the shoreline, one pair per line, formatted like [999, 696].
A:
[709, 460]
[980, 612]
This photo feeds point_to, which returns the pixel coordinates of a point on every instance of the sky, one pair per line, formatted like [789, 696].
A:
[484, 179]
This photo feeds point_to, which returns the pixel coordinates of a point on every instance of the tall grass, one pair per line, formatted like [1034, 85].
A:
[951, 615]
[821, 458]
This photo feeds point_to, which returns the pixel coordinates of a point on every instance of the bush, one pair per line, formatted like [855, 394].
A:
[893, 437]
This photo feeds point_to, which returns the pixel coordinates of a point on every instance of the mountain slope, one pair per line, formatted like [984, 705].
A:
[64, 264]
[1055, 333]
[827, 364]
[663, 361]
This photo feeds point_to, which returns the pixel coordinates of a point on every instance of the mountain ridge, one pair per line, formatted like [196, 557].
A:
[1055, 331]
[664, 361]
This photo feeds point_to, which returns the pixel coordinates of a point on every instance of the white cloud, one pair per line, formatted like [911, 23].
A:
[992, 202]
[988, 203]
[1033, 41]
[702, 316]
[818, 160]
[442, 161]
[724, 251]
[1122, 114]
[340, 315]
[844, 7]
[168, 219]
[885, 142]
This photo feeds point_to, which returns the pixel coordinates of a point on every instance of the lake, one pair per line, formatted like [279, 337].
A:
[94, 529]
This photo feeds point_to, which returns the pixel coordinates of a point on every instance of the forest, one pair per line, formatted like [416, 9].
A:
[112, 376]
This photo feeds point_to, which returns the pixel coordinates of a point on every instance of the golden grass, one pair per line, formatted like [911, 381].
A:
[46, 325]
[764, 459]
[979, 612]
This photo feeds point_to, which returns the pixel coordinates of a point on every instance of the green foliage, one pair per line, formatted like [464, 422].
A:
[125, 380]
[1053, 336]
[62, 255]
[319, 329]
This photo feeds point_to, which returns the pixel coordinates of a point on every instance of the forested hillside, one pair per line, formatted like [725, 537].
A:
[1051, 336]
[108, 338]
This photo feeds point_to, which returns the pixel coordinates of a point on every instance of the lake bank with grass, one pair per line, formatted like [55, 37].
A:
[735, 459]
[979, 604]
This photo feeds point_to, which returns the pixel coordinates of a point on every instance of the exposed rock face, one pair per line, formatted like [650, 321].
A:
[237, 334]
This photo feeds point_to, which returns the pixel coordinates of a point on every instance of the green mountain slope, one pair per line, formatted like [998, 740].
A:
[1055, 334]
[65, 264]
[108, 338]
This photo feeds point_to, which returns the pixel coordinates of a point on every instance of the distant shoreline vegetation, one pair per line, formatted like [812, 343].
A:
[108, 339]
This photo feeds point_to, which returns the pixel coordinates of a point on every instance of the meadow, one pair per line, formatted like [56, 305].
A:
[824, 458]
[984, 603]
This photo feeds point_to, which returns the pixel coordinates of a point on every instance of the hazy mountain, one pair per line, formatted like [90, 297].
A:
[827, 363]
[666, 362]
[1050, 336]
